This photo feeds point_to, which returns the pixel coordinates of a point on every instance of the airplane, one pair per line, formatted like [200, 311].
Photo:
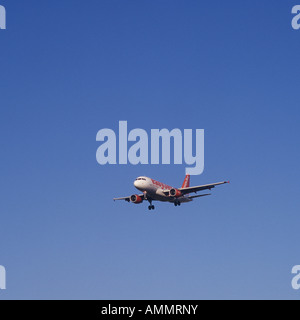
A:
[156, 191]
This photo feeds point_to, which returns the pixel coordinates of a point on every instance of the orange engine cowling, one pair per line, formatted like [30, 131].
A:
[136, 199]
[175, 193]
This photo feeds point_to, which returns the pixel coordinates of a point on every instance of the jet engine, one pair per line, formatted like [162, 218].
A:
[136, 199]
[175, 193]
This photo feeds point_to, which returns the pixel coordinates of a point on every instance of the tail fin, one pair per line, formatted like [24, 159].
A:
[186, 182]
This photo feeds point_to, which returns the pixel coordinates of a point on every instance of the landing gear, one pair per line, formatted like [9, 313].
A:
[151, 207]
[177, 203]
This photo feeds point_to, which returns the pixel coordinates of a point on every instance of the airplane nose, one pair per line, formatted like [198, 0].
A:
[136, 183]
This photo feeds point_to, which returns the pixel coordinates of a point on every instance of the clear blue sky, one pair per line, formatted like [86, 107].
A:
[69, 69]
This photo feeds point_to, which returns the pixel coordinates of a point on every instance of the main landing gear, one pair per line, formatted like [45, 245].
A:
[177, 203]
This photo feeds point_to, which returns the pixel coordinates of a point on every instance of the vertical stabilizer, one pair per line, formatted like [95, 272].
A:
[186, 182]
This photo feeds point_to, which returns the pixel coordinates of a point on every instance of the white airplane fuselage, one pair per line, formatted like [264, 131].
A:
[155, 190]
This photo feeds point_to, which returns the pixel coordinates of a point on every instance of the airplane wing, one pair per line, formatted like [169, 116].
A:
[201, 188]
[199, 195]
[128, 198]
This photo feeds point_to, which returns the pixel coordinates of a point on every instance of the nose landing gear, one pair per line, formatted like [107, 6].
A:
[177, 203]
[151, 206]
